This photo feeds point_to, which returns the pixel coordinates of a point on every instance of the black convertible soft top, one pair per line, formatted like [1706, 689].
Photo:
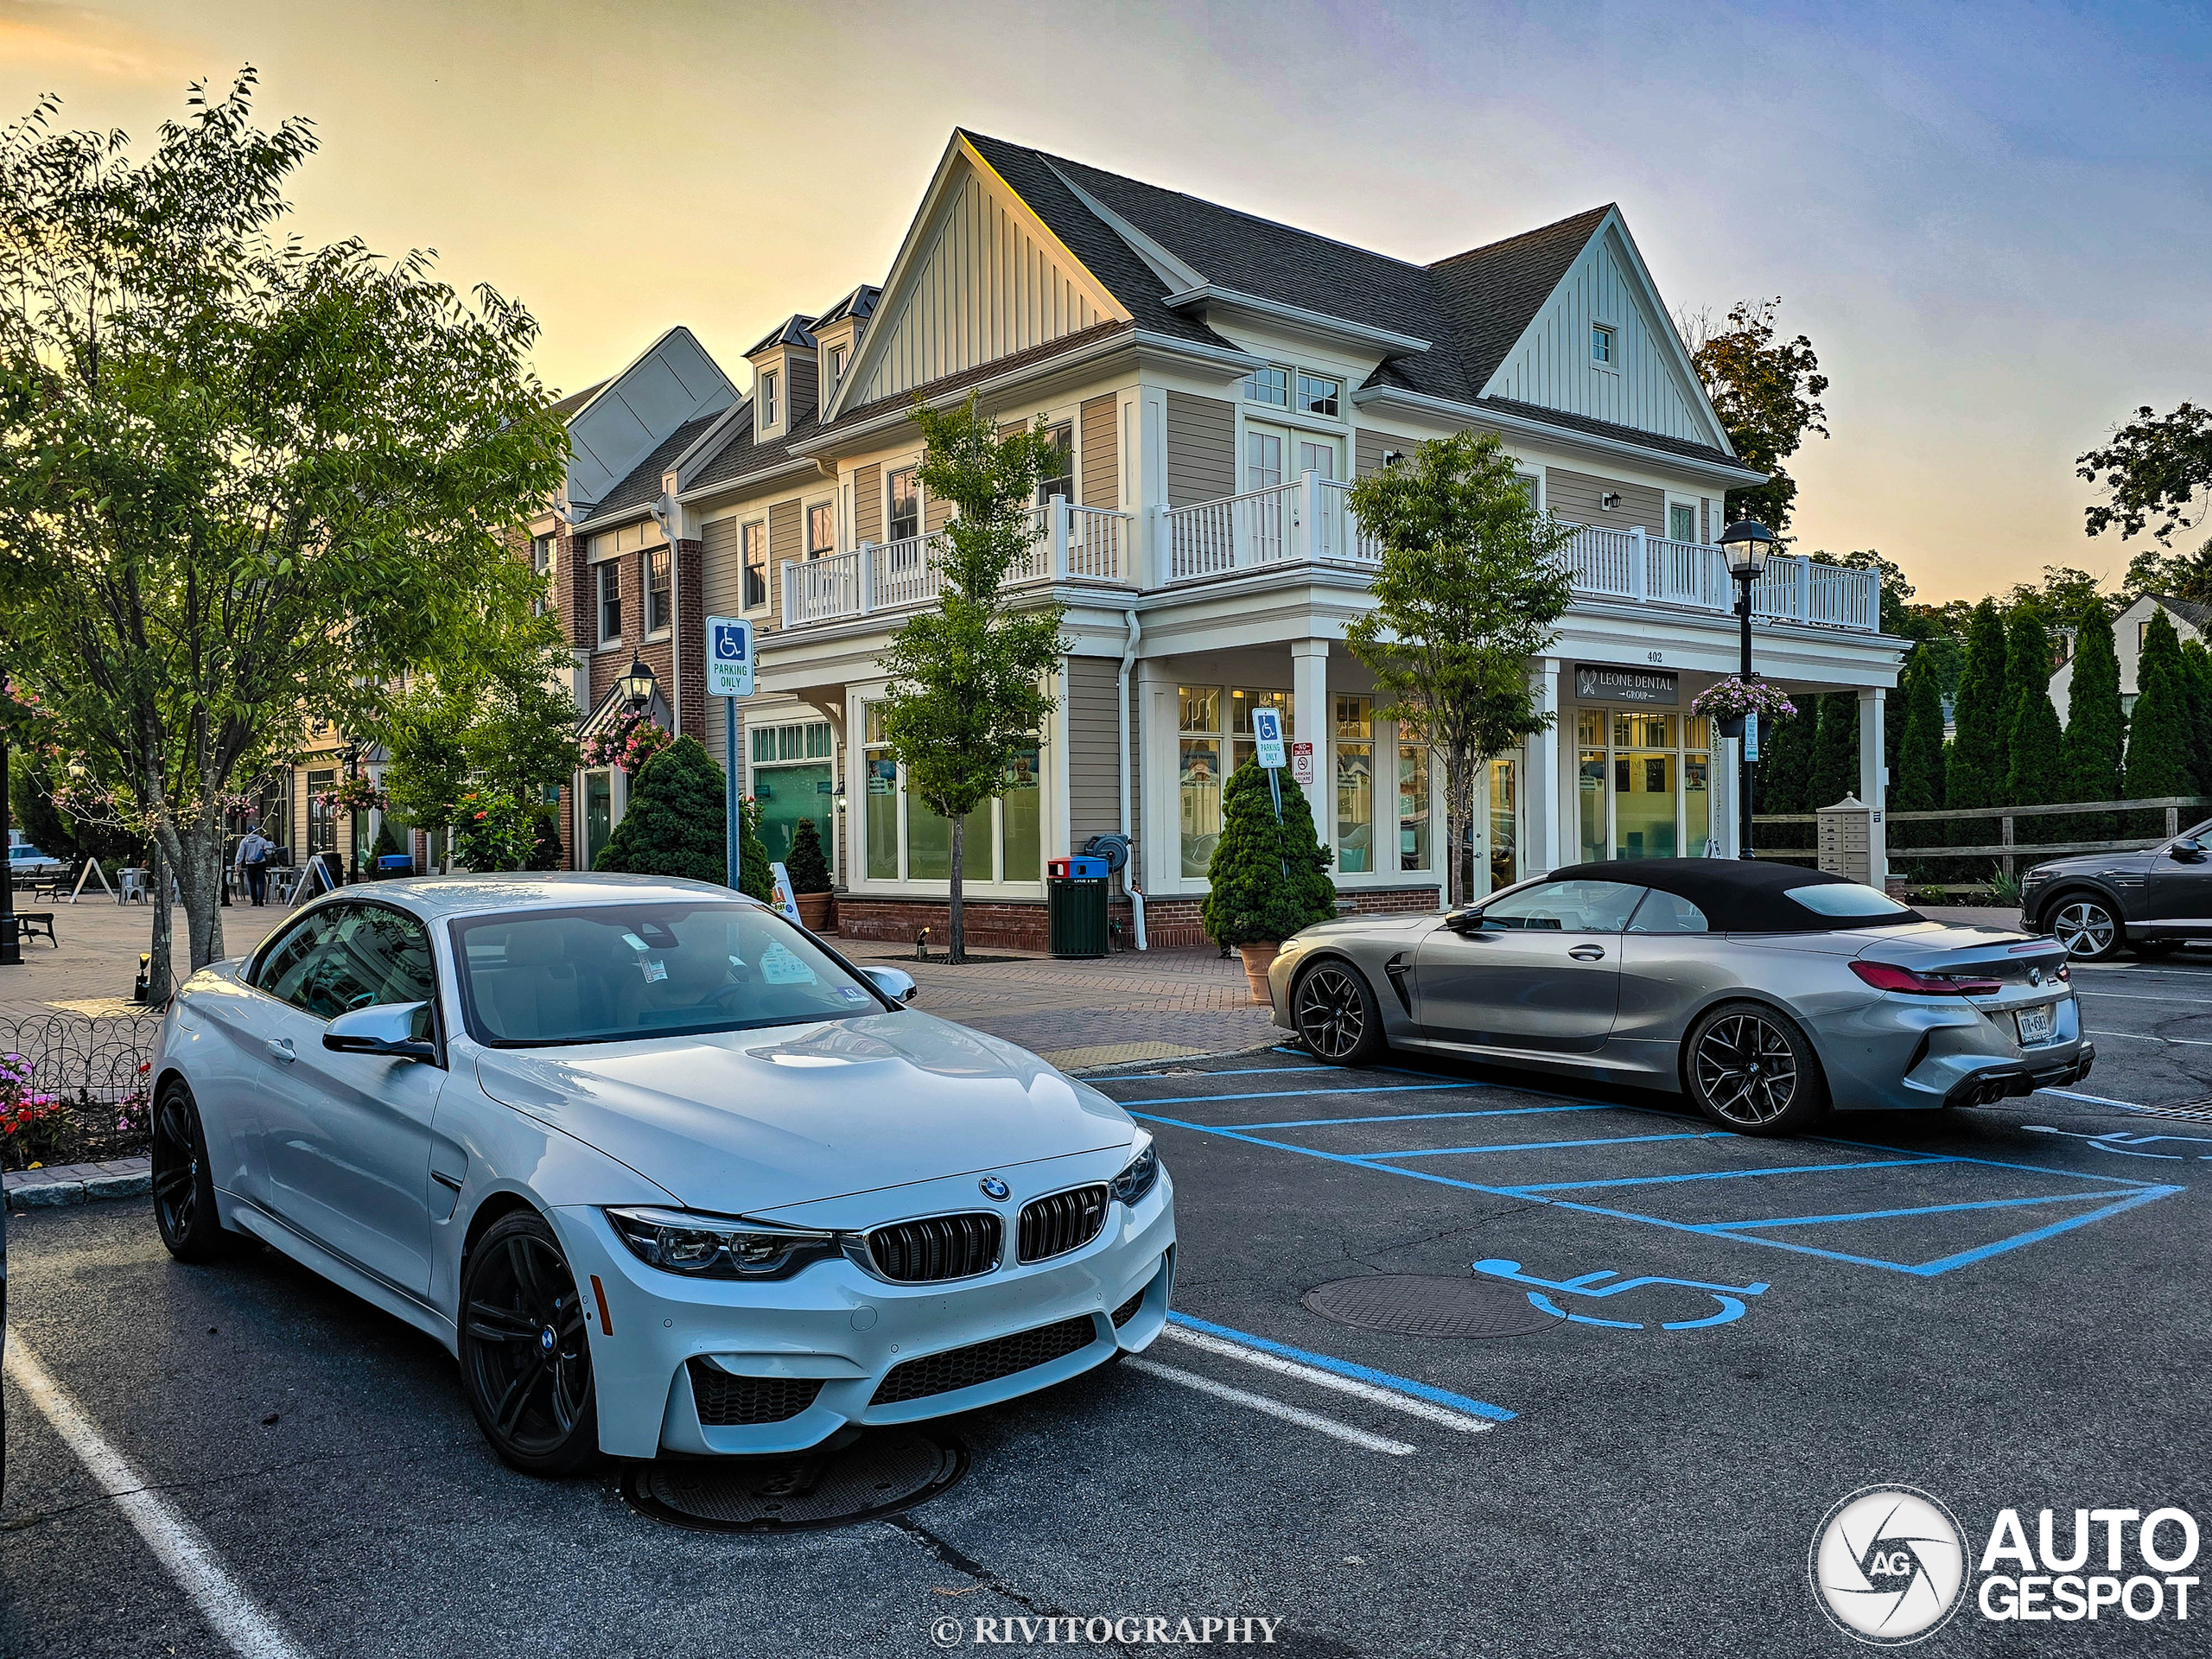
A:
[1742, 895]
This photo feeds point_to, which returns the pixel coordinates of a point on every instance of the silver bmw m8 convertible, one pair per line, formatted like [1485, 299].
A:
[1767, 994]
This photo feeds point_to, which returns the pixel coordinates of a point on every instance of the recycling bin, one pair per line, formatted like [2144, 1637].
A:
[1075, 909]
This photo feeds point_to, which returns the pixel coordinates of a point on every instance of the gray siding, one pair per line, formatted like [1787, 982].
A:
[1201, 449]
[1102, 453]
[1574, 496]
[1094, 748]
[786, 540]
[868, 502]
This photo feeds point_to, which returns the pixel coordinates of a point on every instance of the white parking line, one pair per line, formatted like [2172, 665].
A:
[1312, 1420]
[2137, 996]
[2145, 1037]
[175, 1541]
[1321, 1379]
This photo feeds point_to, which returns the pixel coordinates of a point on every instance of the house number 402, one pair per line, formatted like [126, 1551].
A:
[1655, 655]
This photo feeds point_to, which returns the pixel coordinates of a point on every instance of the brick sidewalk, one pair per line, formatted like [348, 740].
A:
[90, 968]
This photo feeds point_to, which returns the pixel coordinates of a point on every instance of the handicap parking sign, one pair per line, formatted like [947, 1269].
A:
[729, 657]
[1266, 730]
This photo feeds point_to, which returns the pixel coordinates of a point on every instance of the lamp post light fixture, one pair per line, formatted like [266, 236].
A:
[638, 684]
[1748, 544]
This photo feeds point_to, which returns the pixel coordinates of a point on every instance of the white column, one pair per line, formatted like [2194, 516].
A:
[1159, 832]
[1728, 757]
[1310, 715]
[1543, 787]
[1059, 827]
[1873, 780]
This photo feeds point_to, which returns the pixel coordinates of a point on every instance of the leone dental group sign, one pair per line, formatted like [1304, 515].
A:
[1890, 1565]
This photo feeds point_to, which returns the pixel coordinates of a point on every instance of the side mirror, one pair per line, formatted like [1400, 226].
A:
[1465, 921]
[387, 1029]
[894, 982]
[2189, 850]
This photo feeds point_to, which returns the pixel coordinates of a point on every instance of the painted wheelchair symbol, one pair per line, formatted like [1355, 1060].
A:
[1591, 1284]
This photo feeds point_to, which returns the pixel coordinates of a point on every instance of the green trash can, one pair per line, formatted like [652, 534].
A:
[1075, 908]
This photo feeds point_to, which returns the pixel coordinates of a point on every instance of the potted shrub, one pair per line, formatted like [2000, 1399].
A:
[810, 874]
[1268, 877]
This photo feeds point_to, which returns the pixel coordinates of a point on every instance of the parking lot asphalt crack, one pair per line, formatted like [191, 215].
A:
[960, 1562]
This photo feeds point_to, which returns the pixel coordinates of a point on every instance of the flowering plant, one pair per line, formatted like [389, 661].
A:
[22, 1112]
[1733, 698]
[355, 795]
[628, 740]
[492, 831]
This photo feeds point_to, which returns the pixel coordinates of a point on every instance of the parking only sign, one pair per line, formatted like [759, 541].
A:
[1266, 730]
[1301, 762]
[729, 657]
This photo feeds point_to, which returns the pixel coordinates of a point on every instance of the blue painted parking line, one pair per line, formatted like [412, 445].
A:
[1548, 1146]
[1416, 1117]
[1368, 1373]
[1233, 1071]
[2121, 1194]
[1286, 1093]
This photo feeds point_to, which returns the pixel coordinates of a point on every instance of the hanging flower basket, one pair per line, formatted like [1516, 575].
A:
[354, 795]
[628, 740]
[1730, 700]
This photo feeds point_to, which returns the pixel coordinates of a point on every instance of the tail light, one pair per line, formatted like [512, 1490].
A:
[1883, 977]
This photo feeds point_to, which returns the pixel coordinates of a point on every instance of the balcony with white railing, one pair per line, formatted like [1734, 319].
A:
[1068, 544]
[1303, 522]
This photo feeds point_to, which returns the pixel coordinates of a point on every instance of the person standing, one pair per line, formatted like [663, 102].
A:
[254, 848]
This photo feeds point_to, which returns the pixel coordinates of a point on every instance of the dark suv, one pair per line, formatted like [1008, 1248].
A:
[2153, 901]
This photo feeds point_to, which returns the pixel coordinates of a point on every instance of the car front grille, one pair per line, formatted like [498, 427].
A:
[725, 1402]
[986, 1362]
[936, 1247]
[1064, 1222]
[1128, 1310]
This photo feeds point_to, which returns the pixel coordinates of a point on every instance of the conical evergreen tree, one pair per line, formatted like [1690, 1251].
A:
[2096, 731]
[1976, 775]
[1919, 786]
[1269, 878]
[1836, 750]
[2035, 746]
[1785, 780]
[2157, 731]
[676, 822]
[2197, 662]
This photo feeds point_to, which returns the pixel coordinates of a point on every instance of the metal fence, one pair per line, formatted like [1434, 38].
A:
[84, 1056]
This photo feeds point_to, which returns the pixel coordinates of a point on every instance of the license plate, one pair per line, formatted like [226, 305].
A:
[2035, 1024]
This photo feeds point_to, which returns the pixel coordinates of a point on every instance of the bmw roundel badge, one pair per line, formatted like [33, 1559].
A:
[993, 1187]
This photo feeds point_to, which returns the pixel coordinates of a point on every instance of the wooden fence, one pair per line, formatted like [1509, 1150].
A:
[2007, 847]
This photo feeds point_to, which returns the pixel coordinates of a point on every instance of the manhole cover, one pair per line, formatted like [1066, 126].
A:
[1422, 1305]
[2190, 1111]
[881, 1473]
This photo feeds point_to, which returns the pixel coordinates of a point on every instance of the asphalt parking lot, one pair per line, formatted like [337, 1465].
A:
[1695, 1344]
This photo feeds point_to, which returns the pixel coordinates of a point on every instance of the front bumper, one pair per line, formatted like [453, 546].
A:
[831, 1334]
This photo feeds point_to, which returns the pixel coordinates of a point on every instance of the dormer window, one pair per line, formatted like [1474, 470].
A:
[837, 355]
[768, 399]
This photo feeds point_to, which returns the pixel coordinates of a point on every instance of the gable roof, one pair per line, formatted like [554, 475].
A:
[860, 305]
[791, 331]
[1473, 308]
[2198, 616]
[641, 486]
[576, 400]
[740, 454]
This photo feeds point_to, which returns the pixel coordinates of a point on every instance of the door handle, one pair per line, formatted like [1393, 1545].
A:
[1587, 952]
[280, 1048]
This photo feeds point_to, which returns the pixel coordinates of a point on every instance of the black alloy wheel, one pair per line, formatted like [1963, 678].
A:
[525, 1354]
[184, 1188]
[2085, 925]
[1336, 1013]
[1751, 1069]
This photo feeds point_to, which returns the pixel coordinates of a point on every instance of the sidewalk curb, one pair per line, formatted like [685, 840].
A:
[123, 1178]
[1186, 1059]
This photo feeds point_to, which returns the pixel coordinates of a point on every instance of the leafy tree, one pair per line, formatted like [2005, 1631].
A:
[1471, 586]
[2158, 730]
[1836, 750]
[1785, 782]
[2067, 596]
[1977, 767]
[1767, 395]
[497, 716]
[240, 477]
[1919, 771]
[49, 825]
[807, 866]
[2154, 469]
[2096, 730]
[2176, 575]
[2035, 747]
[2198, 664]
[967, 678]
[546, 852]
[677, 819]
[1268, 876]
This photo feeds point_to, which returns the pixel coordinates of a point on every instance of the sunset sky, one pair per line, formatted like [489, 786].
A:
[1993, 224]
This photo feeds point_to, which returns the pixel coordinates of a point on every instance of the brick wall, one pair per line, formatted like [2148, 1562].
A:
[1019, 924]
[689, 696]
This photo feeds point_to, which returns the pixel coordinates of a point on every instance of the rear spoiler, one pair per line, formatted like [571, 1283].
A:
[1994, 954]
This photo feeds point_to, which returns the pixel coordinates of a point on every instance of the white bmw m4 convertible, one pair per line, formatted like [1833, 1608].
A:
[662, 1170]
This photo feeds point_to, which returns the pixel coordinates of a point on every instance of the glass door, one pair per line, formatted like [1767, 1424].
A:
[1319, 455]
[1505, 825]
[1263, 458]
[598, 814]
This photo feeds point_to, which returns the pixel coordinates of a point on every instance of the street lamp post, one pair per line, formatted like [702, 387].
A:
[1748, 544]
[638, 684]
[352, 757]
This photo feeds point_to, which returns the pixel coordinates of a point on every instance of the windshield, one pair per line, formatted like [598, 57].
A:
[617, 972]
[1847, 898]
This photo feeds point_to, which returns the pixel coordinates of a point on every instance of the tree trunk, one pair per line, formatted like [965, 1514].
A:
[1458, 828]
[159, 980]
[196, 852]
[955, 940]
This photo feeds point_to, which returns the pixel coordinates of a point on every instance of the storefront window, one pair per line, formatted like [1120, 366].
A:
[1590, 781]
[1021, 823]
[1243, 700]
[882, 772]
[1413, 806]
[1643, 785]
[1354, 751]
[1505, 825]
[322, 821]
[929, 844]
[1697, 785]
[793, 778]
[1200, 786]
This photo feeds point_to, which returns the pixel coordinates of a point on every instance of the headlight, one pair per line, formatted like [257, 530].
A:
[1138, 1176]
[720, 1247]
[2041, 873]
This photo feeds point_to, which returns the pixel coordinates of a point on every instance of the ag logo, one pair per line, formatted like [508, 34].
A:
[1887, 1565]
